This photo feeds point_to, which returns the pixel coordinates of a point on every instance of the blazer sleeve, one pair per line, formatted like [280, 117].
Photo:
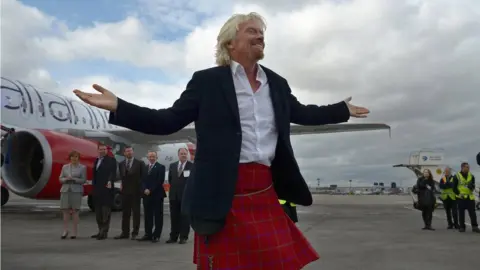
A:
[144, 178]
[170, 174]
[310, 115]
[163, 121]
[160, 178]
[63, 176]
[113, 170]
[83, 176]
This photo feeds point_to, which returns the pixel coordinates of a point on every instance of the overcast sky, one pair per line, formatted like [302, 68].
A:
[415, 64]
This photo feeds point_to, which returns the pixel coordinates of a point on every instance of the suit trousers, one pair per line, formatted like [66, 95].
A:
[451, 211]
[153, 215]
[469, 205]
[179, 223]
[131, 204]
[103, 214]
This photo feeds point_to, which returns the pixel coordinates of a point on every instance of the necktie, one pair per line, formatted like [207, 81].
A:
[150, 168]
[180, 169]
[128, 164]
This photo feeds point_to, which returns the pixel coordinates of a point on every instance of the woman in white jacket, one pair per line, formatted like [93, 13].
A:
[72, 177]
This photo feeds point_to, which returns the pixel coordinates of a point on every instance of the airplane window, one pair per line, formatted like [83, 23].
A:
[76, 118]
[60, 114]
[41, 109]
[24, 104]
[84, 120]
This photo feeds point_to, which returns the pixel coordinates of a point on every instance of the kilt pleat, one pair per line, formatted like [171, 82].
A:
[258, 234]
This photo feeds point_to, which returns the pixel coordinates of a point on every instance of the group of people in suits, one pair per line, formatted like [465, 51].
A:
[139, 181]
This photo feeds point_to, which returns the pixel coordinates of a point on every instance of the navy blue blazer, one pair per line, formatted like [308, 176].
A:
[154, 180]
[210, 101]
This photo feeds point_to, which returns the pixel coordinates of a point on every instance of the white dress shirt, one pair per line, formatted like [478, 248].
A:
[257, 119]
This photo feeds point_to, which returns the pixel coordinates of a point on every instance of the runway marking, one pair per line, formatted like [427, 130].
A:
[442, 217]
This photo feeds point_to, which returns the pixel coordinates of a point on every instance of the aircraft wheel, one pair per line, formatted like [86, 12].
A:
[117, 200]
[90, 203]
[5, 196]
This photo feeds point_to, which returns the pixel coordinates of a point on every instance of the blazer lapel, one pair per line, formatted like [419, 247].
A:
[229, 92]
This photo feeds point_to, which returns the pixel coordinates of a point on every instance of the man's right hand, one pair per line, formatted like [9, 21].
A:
[109, 184]
[105, 100]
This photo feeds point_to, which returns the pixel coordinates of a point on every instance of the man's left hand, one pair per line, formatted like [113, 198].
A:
[147, 192]
[356, 111]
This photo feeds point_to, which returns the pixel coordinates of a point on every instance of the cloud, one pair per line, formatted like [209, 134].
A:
[414, 64]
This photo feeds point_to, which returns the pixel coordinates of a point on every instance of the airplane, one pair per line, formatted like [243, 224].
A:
[40, 128]
[432, 159]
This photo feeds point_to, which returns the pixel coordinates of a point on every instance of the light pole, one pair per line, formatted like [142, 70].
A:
[350, 184]
[318, 182]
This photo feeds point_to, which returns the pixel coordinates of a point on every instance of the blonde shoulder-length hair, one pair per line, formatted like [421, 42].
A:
[228, 33]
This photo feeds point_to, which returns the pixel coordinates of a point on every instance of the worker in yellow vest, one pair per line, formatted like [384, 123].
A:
[464, 186]
[449, 199]
[290, 209]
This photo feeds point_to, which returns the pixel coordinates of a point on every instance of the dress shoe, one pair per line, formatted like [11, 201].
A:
[95, 235]
[155, 239]
[476, 230]
[134, 237]
[461, 230]
[121, 236]
[145, 238]
[64, 235]
[182, 241]
[171, 241]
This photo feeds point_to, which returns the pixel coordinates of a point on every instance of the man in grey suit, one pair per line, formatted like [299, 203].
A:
[104, 174]
[132, 171]
[177, 177]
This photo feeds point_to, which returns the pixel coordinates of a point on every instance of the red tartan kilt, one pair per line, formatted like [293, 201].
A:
[258, 234]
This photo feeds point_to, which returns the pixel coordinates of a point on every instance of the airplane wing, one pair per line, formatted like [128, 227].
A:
[188, 133]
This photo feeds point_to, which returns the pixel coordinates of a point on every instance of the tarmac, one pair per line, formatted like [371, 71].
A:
[349, 232]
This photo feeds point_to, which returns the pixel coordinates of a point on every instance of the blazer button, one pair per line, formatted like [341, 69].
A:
[239, 133]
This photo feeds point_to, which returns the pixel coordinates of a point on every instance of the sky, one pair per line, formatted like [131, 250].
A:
[413, 63]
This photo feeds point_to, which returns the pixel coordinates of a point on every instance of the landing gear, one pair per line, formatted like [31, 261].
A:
[117, 201]
[5, 195]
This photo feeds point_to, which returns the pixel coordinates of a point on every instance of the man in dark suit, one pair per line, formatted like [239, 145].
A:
[242, 113]
[178, 173]
[153, 196]
[104, 174]
[131, 174]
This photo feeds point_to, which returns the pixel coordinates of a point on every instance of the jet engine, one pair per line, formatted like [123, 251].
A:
[33, 160]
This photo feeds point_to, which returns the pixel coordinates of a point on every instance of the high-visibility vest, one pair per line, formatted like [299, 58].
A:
[464, 191]
[448, 192]
[282, 202]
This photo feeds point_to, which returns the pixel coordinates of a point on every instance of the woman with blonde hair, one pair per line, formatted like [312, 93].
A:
[72, 177]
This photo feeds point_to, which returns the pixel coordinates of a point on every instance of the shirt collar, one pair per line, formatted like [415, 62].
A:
[238, 69]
